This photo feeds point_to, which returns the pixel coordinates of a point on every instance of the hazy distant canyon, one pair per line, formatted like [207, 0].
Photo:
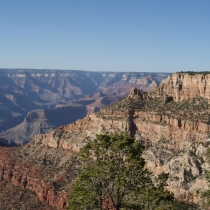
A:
[37, 101]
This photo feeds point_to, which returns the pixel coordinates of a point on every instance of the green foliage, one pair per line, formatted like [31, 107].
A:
[208, 157]
[194, 72]
[191, 109]
[114, 177]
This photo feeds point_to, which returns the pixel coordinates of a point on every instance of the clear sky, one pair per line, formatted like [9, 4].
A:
[105, 35]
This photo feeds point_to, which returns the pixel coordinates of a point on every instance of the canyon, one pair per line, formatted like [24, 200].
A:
[172, 123]
[29, 92]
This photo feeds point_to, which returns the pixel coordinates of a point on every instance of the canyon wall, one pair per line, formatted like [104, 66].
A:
[41, 121]
[175, 135]
[48, 164]
[183, 86]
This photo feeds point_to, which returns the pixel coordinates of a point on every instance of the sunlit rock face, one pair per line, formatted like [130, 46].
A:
[186, 86]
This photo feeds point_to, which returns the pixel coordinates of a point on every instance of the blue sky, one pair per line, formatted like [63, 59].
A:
[106, 35]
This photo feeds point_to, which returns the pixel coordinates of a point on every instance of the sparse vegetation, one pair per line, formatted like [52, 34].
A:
[194, 72]
[192, 109]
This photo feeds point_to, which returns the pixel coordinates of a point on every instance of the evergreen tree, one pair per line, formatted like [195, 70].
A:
[114, 177]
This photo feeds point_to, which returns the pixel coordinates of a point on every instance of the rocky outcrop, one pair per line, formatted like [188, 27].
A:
[184, 86]
[135, 93]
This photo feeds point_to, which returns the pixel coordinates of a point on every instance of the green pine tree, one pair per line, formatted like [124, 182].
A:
[114, 177]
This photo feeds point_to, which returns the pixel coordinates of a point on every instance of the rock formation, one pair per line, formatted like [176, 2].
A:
[184, 86]
[41, 121]
[175, 134]
[135, 93]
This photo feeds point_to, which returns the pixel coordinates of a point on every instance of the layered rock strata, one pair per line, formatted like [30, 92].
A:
[47, 165]
[175, 135]
[185, 86]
